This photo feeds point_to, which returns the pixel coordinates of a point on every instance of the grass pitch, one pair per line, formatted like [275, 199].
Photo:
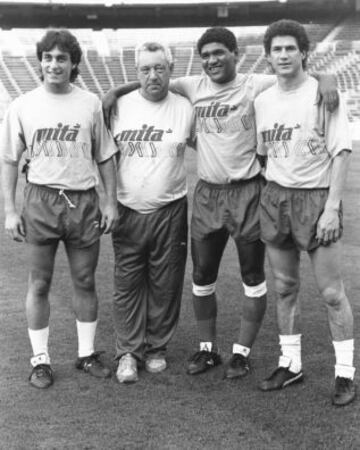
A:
[172, 410]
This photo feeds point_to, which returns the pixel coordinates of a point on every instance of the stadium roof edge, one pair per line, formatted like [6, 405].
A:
[98, 16]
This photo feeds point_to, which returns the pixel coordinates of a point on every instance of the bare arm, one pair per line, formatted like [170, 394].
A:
[327, 90]
[328, 227]
[14, 225]
[109, 212]
[110, 98]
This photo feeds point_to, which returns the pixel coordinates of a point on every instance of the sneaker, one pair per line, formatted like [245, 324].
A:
[345, 391]
[202, 361]
[238, 366]
[41, 376]
[280, 378]
[155, 365]
[127, 369]
[93, 365]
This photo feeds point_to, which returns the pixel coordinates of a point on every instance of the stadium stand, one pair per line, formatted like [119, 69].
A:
[109, 56]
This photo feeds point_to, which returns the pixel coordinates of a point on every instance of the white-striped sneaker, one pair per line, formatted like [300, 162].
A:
[127, 369]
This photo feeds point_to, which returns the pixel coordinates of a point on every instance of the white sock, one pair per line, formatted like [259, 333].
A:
[86, 337]
[344, 357]
[207, 346]
[291, 352]
[241, 349]
[39, 342]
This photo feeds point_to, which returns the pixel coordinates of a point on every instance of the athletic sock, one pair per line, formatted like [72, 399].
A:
[39, 342]
[344, 357]
[206, 346]
[241, 349]
[86, 337]
[290, 352]
[205, 310]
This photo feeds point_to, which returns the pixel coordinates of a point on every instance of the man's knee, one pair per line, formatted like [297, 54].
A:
[39, 287]
[334, 296]
[203, 276]
[84, 280]
[286, 287]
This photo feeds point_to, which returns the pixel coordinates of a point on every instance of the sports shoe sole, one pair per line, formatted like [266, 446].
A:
[127, 380]
[204, 369]
[350, 398]
[228, 375]
[299, 378]
[40, 385]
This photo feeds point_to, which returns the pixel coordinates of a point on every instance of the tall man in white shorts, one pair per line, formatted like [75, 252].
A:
[150, 241]
[307, 153]
[226, 199]
[61, 129]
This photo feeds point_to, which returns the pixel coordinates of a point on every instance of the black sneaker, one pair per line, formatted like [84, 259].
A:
[202, 361]
[93, 365]
[41, 376]
[238, 366]
[280, 378]
[345, 391]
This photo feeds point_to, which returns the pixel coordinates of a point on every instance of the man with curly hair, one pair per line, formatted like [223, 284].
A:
[61, 129]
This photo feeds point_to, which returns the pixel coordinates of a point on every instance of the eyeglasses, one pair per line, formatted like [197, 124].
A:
[145, 70]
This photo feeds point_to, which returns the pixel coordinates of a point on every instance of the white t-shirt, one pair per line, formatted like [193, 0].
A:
[299, 137]
[151, 137]
[225, 125]
[64, 136]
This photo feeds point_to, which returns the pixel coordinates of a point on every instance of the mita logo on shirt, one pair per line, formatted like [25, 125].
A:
[61, 133]
[281, 141]
[58, 142]
[147, 142]
[217, 118]
[145, 134]
[279, 133]
[215, 109]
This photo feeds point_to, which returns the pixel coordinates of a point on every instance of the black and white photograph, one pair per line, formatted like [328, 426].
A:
[179, 224]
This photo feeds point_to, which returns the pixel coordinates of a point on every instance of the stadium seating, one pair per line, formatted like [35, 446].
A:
[109, 56]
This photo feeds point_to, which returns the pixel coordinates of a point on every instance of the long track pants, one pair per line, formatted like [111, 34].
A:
[150, 255]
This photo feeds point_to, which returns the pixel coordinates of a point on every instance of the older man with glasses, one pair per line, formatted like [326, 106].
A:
[150, 241]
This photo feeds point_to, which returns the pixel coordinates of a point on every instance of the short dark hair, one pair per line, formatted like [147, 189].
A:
[285, 27]
[66, 42]
[218, 34]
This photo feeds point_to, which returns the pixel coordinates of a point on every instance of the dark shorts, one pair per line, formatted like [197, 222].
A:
[289, 216]
[49, 217]
[232, 207]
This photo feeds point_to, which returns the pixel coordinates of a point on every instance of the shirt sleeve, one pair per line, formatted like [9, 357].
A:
[337, 130]
[103, 143]
[263, 82]
[185, 86]
[12, 137]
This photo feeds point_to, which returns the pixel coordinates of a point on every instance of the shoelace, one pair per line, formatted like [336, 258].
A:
[199, 355]
[239, 360]
[42, 369]
[68, 201]
[94, 358]
[343, 383]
